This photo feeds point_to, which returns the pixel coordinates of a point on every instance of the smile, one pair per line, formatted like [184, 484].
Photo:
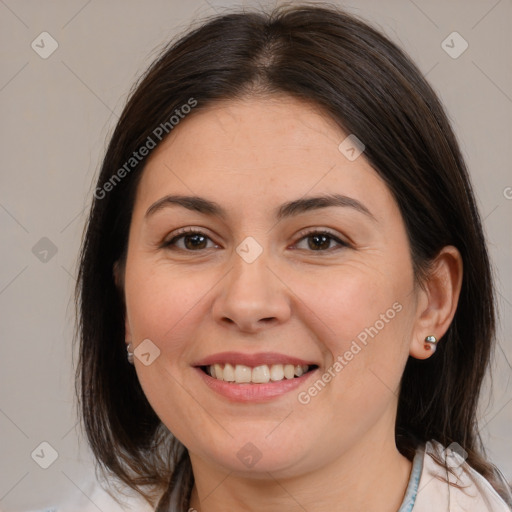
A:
[257, 377]
[262, 374]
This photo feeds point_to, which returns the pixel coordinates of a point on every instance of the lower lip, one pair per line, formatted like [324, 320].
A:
[253, 392]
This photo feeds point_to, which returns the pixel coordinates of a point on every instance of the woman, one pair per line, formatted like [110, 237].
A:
[285, 295]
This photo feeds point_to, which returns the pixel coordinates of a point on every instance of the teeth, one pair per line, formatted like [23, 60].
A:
[277, 372]
[243, 373]
[217, 372]
[262, 374]
[229, 373]
[289, 371]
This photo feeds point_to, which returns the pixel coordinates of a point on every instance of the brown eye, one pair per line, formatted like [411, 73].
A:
[192, 241]
[320, 241]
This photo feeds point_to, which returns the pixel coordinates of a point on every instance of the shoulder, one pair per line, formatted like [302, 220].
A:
[90, 496]
[467, 489]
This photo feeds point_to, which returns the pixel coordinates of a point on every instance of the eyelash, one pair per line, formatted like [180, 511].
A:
[182, 233]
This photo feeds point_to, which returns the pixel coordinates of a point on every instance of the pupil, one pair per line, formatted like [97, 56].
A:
[193, 244]
[323, 243]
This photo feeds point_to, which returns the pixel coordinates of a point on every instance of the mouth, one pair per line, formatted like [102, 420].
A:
[257, 377]
[261, 374]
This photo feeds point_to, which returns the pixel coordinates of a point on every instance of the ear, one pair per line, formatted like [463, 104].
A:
[118, 273]
[437, 301]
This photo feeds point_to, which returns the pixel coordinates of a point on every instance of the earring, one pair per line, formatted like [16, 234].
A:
[430, 343]
[129, 353]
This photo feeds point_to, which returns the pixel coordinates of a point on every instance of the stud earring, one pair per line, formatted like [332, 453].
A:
[129, 353]
[430, 343]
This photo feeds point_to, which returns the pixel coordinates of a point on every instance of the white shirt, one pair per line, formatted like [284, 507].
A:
[433, 494]
[425, 492]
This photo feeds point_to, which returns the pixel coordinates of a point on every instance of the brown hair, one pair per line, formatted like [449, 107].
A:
[371, 89]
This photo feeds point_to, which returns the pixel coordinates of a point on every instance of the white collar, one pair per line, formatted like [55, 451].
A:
[435, 494]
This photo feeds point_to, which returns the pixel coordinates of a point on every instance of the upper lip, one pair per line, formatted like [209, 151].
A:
[257, 359]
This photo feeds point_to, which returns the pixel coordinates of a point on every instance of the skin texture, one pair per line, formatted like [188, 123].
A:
[336, 452]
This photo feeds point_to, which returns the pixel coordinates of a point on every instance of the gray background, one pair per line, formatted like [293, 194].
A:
[57, 114]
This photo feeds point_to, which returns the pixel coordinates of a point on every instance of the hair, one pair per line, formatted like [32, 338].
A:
[370, 88]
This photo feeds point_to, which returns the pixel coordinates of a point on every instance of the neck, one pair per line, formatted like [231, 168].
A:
[369, 478]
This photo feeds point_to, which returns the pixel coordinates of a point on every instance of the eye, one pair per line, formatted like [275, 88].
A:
[320, 241]
[193, 240]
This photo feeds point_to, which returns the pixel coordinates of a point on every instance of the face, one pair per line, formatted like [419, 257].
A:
[257, 282]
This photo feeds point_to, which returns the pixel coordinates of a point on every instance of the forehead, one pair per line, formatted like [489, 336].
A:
[259, 127]
[255, 149]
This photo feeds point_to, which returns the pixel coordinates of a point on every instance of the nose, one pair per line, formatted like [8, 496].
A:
[252, 297]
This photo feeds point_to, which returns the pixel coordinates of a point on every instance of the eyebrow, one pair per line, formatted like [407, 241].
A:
[288, 209]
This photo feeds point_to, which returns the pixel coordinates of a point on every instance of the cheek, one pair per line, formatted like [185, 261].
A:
[350, 299]
[165, 304]
[162, 302]
[365, 324]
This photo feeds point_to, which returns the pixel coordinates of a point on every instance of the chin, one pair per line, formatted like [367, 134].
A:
[256, 454]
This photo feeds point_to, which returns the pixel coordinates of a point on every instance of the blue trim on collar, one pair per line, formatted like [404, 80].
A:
[412, 488]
